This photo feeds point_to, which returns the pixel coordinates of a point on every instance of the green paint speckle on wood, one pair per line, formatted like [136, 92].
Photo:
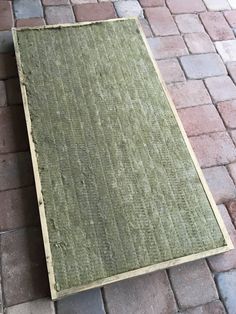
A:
[120, 189]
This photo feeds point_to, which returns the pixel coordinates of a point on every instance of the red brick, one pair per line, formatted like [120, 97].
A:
[145, 27]
[152, 3]
[36, 21]
[216, 26]
[6, 15]
[59, 14]
[94, 11]
[143, 295]
[13, 135]
[23, 265]
[55, 2]
[214, 149]
[171, 70]
[189, 94]
[7, 66]
[13, 91]
[84, 1]
[231, 17]
[232, 171]
[231, 206]
[15, 171]
[167, 47]
[188, 23]
[188, 281]
[225, 261]
[232, 70]
[18, 208]
[227, 110]
[220, 184]
[199, 43]
[183, 6]
[3, 95]
[161, 21]
[201, 119]
[215, 307]
[221, 88]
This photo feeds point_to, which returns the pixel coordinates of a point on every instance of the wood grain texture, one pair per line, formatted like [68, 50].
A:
[119, 189]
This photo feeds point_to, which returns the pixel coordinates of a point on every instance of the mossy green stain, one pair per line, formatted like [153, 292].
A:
[119, 186]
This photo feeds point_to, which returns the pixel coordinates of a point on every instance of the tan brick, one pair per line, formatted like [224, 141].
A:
[201, 119]
[216, 26]
[94, 11]
[161, 21]
[171, 70]
[227, 110]
[189, 94]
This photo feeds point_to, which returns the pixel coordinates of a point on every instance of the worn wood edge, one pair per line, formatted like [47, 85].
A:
[133, 273]
[40, 200]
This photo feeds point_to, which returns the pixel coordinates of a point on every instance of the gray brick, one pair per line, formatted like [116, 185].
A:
[6, 42]
[59, 14]
[226, 283]
[215, 307]
[227, 50]
[41, 306]
[193, 284]
[215, 84]
[87, 302]
[204, 65]
[128, 8]
[27, 8]
[149, 294]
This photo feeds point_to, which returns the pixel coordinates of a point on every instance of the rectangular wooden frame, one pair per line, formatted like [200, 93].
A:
[55, 294]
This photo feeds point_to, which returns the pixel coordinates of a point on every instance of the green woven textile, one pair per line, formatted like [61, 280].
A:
[119, 186]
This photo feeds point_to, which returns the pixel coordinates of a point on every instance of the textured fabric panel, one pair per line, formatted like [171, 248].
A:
[120, 188]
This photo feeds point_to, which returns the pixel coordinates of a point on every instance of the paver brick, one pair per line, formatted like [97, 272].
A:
[203, 65]
[231, 66]
[41, 306]
[226, 283]
[149, 294]
[221, 88]
[216, 26]
[233, 135]
[231, 17]
[217, 5]
[6, 42]
[171, 70]
[232, 4]
[85, 1]
[3, 95]
[215, 307]
[145, 27]
[18, 208]
[167, 47]
[189, 94]
[13, 91]
[55, 2]
[227, 50]
[6, 15]
[214, 149]
[152, 3]
[225, 261]
[201, 119]
[59, 14]
[13, 135]
[15, 171]
[199, 43]
[193, 284]
[7, 66]
[232, 171]
[128, 8]
[25, 9]
[24, 271]
[231, 206]
[227, 111]
[182, 6]
[188, 23]
[220, 184]
[94, 11]
[87, 302]
[34, 21]
[161, 21]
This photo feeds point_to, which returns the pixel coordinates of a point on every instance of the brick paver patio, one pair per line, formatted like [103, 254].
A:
[195, 47]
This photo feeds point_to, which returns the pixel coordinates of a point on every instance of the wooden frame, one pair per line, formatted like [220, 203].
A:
[133, 273]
